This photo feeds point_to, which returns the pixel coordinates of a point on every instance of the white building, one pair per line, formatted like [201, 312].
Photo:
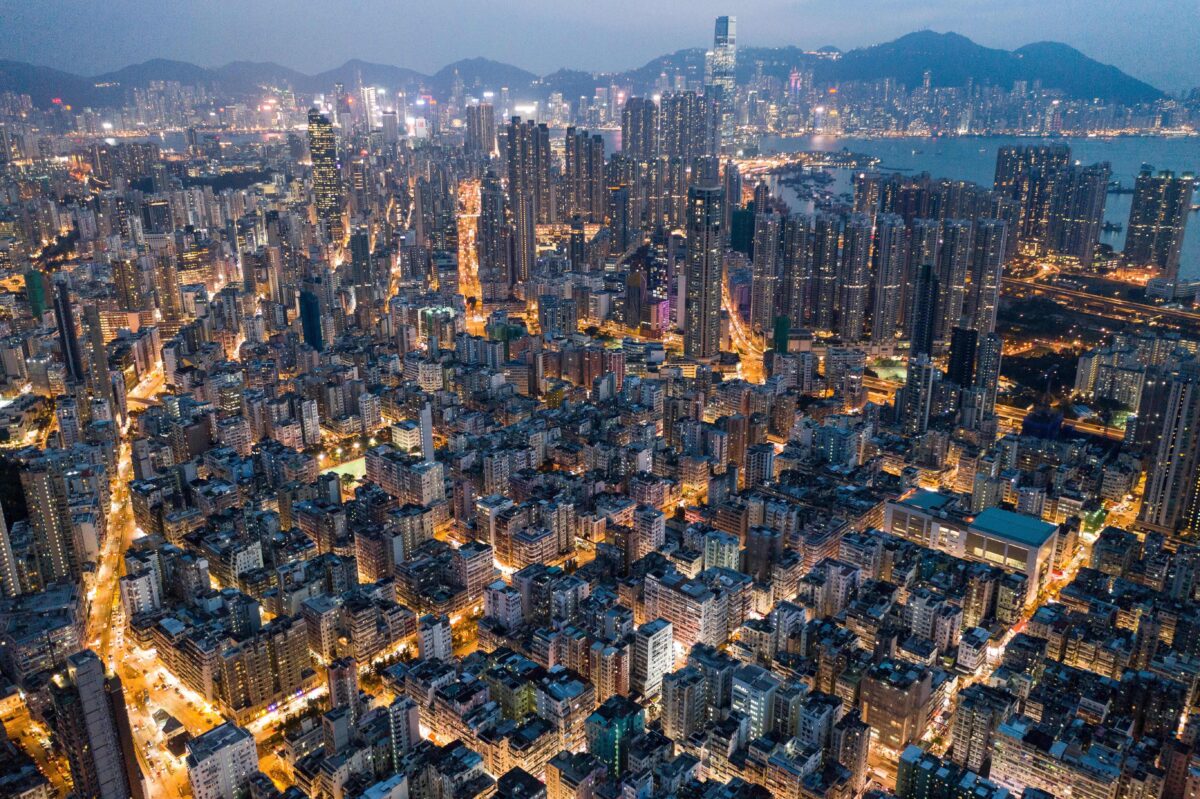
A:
[653, 656]
[221, 762]
[434, 640]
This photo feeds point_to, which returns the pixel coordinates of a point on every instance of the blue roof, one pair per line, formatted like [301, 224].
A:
[1015, 527]
[929, 501]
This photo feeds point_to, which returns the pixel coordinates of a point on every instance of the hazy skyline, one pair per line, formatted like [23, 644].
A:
[1154, 41]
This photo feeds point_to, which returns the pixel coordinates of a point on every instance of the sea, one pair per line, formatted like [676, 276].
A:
[974, 158]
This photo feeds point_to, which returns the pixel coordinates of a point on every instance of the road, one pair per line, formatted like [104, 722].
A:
[468, 255]
[743, 340]
[1108, 307]
[141, 674]
[35, 739]
[1010, 416]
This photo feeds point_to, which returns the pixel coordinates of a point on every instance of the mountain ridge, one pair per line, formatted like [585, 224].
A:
[951, 59]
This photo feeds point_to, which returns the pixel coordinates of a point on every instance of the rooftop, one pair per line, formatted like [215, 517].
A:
[929, 501]
[1018, 527]
[205, 746]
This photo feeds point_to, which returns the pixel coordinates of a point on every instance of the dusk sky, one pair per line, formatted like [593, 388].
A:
[1152, 39]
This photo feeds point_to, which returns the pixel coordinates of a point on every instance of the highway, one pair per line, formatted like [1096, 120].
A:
[1110, 307]
[1010, 415]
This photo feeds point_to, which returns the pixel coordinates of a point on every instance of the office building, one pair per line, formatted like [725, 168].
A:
[326, 174]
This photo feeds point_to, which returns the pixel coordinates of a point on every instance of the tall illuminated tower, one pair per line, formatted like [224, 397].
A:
[327, 183]
[702, 331]
[721, 68]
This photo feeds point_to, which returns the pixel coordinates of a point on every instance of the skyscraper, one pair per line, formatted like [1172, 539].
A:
[326, 177]
[583, 175]
[922, 328]
[494, 241]
[963, 344]
[682, 126]
[1158, 219]
[1027, 175]
[796, 270]
[987, 272]
[988, 355]
[721, 66]
[529, 192]
[35, 291]
[890, 254]
[1171, 502]
[914, 401]
[68, 336]
[764, 283]
[361, 265]
[639, 129]
[702, 314]
[44, 484]
[953, 267]
[92, 724]
[1077, 211]
[98, 377]
[310, 320]
[854, 278]
[824, 252]
[481, 129]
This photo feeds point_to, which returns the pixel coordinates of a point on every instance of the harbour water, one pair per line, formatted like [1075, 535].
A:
[974, 158]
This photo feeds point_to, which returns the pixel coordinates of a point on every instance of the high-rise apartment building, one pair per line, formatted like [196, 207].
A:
[92, 725]
[1171, 503]
[705, 250]
[653, 656]
[529, 191]
[221, 762]
[1158, 220]
[639, 129]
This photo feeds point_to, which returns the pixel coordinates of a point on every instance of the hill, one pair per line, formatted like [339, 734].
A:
[951, 60]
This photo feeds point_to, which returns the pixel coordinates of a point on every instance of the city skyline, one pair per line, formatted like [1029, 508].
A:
[597, 39]
[757, 426]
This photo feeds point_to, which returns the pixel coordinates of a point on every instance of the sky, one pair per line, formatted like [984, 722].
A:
[1154, 40]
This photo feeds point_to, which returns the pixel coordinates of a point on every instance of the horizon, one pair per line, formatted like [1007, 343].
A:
[38, 35]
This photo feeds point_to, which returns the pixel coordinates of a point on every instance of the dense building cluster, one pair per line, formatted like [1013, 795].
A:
[363, 462]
